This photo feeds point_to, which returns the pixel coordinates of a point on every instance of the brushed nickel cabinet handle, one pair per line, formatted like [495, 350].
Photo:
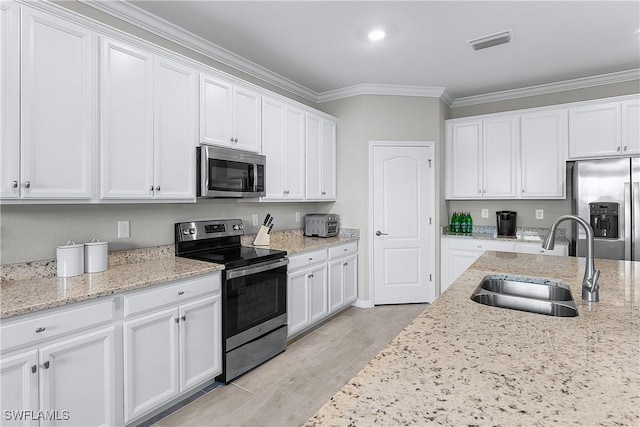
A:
[46, 365]
[40, 329]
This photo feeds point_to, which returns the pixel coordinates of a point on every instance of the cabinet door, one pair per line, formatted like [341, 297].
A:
[328, 190]
[273, 147]
[126, 136]
[247, 120]
[200, 341]
[464, 159]
[350, 265]
[175, 130]
[320, 159]
[499, 154]
[57, 111]
[9, 100]
[150, 362]
[336, 285]
[19, 388]
[543, 142]
[294, 166]
[631, 127]
[297, 301]
[594, 131]
[318, 304]
[459, 261]
[216, 118]
[79, 376]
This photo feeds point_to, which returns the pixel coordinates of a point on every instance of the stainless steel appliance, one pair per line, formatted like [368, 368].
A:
[606, 194]
[224, 172]
[321, 225]
[254, 292]
[506, 223]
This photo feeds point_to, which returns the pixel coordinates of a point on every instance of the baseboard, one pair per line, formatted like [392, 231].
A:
[363, 303]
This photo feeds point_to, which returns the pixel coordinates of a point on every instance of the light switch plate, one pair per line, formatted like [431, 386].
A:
[539, 214]
[485, 213]
[297, 216]
[254, 219]
[123, 229]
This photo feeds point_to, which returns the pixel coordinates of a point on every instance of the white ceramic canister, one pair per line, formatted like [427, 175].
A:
[96, 256]
[70, 259]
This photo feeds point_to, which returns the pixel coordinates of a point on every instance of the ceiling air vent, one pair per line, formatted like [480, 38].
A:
[491, 40]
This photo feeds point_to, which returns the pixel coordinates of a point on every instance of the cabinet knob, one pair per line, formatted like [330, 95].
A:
[15, 184]
[151, 188]
[323, 193]
[235, 140]
[27, 184]
[625, 148]
[345, 264]
[310, 276]
[158, 188]
[180, 292]
[479, 191]
[34, 368]
[40, 329]
[46, 365]
[177, 320]
[184, 317]
[618, 149]
[231, 139]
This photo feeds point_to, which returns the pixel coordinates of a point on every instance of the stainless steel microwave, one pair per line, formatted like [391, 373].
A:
[224, 172]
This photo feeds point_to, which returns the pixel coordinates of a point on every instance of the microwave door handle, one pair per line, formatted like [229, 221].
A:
[255, 177]
[204, 172]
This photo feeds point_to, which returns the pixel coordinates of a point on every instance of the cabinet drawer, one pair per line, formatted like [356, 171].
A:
[40, 327]
[306, 259]
[171, 293]
[482, 245]
[343, 250]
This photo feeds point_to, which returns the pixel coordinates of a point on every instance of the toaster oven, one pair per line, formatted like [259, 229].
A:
[321, 225]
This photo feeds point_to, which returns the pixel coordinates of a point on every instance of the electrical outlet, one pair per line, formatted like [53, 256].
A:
[297, 216]
[485, 213]
[254, 219]
[539, 214]
[123, 229]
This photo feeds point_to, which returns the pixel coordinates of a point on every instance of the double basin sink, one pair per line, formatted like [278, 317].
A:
[540, 296]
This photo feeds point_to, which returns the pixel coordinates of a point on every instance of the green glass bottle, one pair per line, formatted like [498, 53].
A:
[452, 224]
[456, 224]
[469, 223]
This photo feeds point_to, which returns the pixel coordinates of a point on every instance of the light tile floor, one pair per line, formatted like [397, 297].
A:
[290, 388]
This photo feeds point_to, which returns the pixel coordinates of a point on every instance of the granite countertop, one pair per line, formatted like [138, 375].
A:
[33, 286]
[523, 234]
[463, 363]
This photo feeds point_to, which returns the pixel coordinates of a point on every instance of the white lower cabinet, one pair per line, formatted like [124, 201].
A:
[320, 283]
[172, 342]
[457, 254]
[343, 270]
[307, 290]
[59, 367]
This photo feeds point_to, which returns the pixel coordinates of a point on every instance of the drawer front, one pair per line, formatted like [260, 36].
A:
[480, 244]
[172, 293]
[44, 326]
[306, 259]
[343, 250]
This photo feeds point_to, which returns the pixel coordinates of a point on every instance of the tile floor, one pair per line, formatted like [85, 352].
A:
[290, 388]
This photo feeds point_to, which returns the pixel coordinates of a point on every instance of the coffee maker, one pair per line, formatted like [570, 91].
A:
[506, 223]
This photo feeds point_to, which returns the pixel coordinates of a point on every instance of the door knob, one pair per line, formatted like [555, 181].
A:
[380, 233]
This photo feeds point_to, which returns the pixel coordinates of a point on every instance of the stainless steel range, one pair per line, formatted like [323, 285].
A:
[254, 292]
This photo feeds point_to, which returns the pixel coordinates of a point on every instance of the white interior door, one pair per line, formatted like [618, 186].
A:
[402, 209]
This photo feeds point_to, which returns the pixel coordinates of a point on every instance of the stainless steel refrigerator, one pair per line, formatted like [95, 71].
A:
[606, 194]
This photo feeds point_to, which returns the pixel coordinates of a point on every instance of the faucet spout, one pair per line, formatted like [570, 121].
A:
[590, 288]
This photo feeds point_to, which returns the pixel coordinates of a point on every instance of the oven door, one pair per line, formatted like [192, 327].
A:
[255, 301]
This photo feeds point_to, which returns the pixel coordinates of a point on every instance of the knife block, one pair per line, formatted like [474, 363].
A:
[262, 238]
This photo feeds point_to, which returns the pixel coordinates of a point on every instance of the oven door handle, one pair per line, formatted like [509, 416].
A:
[259, 268]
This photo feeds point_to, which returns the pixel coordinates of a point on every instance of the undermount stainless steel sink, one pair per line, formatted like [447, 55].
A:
[540, 296]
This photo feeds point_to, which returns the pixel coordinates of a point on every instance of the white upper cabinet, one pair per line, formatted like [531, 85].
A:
[543, 152]
[57, 109]
[126, 117]
[230, 116]
[175, 135]
[320, 158]
[631, 127]
[148, 125]
[481, 158]
[9, 100]
[607, 129]
[283, 134]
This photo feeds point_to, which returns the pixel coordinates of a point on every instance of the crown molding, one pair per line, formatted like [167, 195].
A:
[149, 22]
[585, 82]
[378, 89]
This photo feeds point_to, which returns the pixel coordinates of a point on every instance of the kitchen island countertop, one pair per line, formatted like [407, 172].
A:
[463, 363]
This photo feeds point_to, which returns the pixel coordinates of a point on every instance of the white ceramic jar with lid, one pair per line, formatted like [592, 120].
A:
[70, 259]
[96, 256]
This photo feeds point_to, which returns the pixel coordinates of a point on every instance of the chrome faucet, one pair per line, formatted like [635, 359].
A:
[590, 288]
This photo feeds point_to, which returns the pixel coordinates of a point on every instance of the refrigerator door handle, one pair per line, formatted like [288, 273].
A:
[635, 243]
[627, 221]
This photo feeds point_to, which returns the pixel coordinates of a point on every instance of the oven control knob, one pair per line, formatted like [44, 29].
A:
[236, 226]
[185, 232]
[192, 231]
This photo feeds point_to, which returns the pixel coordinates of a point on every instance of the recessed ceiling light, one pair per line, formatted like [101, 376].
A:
[491, 40]
[377, 34]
